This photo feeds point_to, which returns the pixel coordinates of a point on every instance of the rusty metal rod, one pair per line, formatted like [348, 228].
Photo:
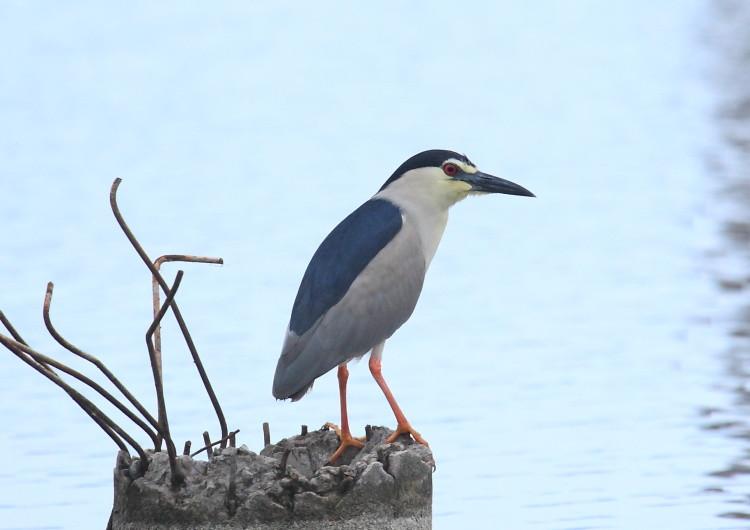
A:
[266, 434]
[284, 459]
[14, 333]
[155, 296]
[111, 428]
[178, 316]
[11, 329]
[49, 361]
[207, 441]
[210, 444]
[155, 286]
[177, 476]
[90, 358]
[27, 355]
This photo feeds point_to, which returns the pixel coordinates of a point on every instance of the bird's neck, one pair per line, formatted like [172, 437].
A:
[424, 208]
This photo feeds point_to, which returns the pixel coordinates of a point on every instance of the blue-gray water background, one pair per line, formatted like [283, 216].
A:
[575, 360]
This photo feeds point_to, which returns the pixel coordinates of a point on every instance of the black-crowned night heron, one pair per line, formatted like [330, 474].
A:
[364, 280]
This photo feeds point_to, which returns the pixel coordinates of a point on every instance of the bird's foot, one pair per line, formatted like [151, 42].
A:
[405, 428]
[347, 440]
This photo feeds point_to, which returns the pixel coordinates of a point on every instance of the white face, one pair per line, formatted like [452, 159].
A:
[433, 185]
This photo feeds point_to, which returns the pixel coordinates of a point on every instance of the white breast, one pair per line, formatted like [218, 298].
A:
[424, 201]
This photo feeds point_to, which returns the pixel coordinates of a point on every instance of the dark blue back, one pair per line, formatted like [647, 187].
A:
[341, 257]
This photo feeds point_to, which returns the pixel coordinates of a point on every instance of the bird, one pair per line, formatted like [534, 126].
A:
[364, 280]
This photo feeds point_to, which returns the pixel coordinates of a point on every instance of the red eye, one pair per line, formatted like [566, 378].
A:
[450, 169]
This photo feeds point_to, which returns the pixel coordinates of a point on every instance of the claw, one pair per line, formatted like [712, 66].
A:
[405, 428]
[347, 440]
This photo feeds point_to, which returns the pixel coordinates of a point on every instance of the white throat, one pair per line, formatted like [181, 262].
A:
[424, 196]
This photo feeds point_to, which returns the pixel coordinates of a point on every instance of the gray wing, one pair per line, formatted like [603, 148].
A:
[378, 301]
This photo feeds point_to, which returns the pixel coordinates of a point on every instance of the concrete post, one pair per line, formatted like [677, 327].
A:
[286, 486]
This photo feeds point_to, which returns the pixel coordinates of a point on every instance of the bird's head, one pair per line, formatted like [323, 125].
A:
[446, 176]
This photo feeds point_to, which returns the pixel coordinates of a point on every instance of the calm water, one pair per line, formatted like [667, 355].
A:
[576, 361]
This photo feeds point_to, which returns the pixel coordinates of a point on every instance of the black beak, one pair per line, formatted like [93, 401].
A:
[484, 183]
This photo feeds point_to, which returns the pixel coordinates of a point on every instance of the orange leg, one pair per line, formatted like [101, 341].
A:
[402, 425]
[343, 433]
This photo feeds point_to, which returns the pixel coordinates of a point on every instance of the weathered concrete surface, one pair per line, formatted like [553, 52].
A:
[381, 486]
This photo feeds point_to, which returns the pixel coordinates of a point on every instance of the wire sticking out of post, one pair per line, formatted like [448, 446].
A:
[114, 431]
[156, 429]
[155, 295]
[266, 434]
[177, 476]
[178, 316]
[209, 444]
